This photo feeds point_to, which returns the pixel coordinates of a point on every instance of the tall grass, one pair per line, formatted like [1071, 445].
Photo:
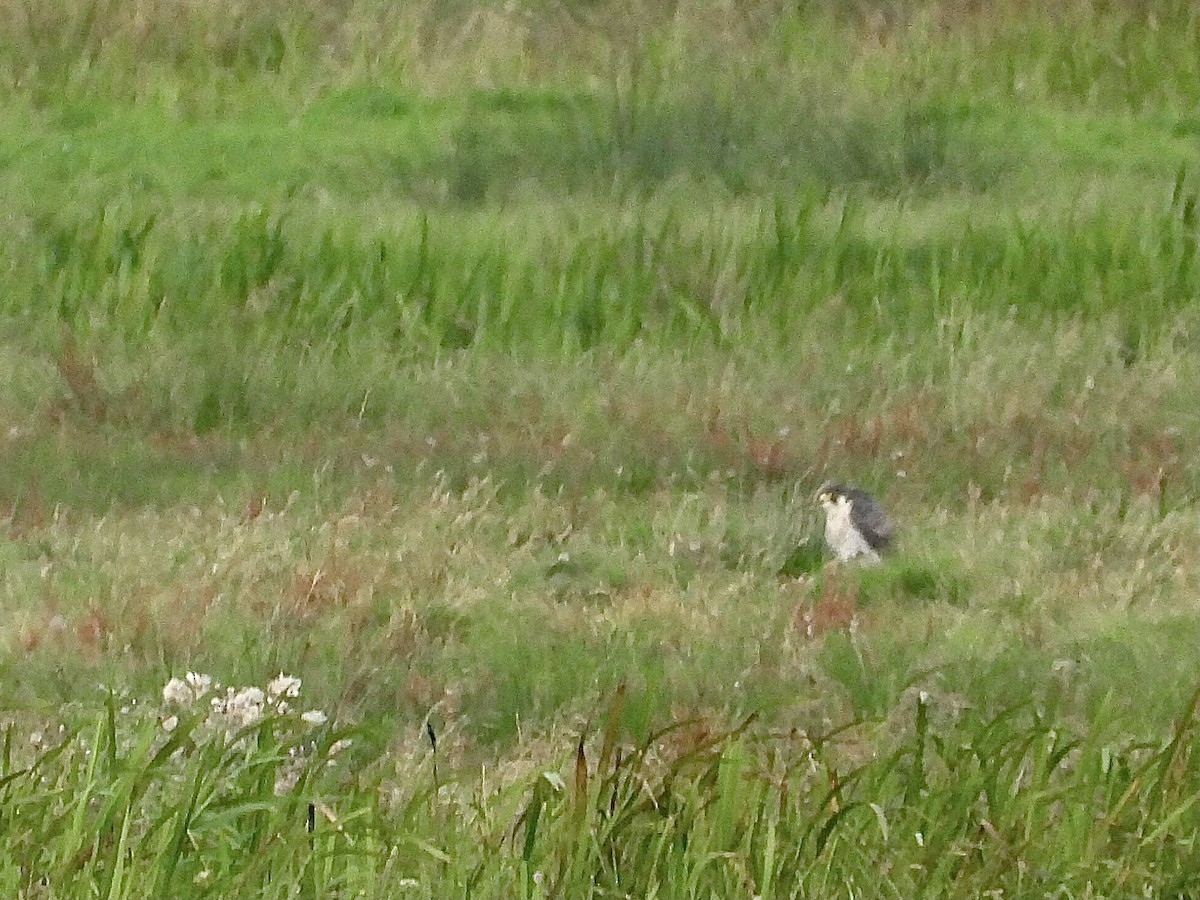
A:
[133, 269]
[955, 806]
[569, 208]
[1123, 53]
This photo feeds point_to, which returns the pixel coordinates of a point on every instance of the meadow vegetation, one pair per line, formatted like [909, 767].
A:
[476, 363]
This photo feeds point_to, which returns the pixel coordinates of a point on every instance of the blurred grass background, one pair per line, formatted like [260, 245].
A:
[477, 362]
[481, 356]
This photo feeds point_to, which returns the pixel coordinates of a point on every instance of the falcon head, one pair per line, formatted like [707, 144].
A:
[830, 493]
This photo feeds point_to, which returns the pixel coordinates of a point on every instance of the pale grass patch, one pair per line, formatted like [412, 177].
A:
[1022, 525]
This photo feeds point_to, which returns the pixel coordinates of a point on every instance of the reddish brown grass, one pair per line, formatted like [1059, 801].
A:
[835, 610]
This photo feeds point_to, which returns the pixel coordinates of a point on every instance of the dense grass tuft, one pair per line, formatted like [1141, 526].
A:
[954, 804]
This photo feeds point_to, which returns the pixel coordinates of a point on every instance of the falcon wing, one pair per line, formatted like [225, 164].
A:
[869, 518]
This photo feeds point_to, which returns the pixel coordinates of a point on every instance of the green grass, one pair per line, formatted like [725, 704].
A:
[959, 804]
[477, 365]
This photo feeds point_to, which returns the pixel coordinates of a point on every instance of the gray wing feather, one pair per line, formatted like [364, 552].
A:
[869, 518]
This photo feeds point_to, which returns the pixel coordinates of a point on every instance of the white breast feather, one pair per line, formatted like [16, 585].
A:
[844, 539]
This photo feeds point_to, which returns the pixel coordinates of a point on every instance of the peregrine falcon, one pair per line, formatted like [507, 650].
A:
[856, 526]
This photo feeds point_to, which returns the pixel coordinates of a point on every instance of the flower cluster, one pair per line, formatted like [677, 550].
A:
[236, 707]
[186, 691]
[241, 708]
[232, 710]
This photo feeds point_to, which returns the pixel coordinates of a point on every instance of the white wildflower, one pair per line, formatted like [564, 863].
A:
[177, 692]
[199, 683]
[287, 778]
[186, 691]
[245, 707]
[251, 695]
[288, 774]
[283, 686]
[170, 722]
[314, 717]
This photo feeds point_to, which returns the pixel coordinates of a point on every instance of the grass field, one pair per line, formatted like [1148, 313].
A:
[476, 364]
